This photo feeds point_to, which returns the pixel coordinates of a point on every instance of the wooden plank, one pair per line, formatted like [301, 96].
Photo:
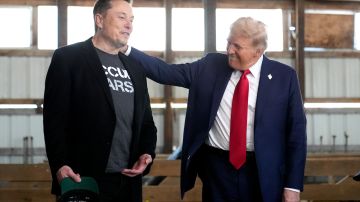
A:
[169, 193]
[6, 185]
[336, 166]
[331, 192]
[19, 195]
[21, 172]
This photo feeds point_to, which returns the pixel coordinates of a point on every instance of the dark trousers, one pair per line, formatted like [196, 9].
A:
[114, 188]
[223, 183]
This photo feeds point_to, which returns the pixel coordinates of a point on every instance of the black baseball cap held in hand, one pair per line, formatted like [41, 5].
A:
[85, 191]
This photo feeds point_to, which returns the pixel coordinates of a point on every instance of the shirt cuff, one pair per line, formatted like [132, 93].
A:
[127, 52]
[291, 189]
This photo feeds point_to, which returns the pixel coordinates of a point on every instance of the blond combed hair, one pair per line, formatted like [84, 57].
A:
[250, 28]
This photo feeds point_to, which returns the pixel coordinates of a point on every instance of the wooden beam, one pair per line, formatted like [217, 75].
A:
[286, 32]
[168, 114]
[331, 192]
[26, 52]
[62, 22]
[332, 165]
[299, 51]
[333, 100]
[258, 4]
[20, 172]
[34, 28]
[210, 25]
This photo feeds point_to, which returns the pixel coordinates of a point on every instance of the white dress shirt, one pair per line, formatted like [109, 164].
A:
[219, 134]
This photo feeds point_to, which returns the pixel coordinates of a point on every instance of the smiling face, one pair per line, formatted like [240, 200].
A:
[241, 52]
[114, 26]
[247, 42]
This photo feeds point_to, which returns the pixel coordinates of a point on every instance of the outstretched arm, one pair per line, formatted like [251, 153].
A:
[170, 74]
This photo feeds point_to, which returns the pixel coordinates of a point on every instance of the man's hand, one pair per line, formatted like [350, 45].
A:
[66, 171]
[291, 196]
[139, 166]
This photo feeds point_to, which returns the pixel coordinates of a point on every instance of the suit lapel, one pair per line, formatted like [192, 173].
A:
[96, 67]
[263, 90]
[219, 89]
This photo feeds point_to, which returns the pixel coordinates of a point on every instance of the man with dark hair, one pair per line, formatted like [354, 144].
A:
[97, 116]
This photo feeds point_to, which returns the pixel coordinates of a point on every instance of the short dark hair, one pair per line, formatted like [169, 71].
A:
[101, 6]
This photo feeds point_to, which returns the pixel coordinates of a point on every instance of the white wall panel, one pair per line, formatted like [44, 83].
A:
[353, 128]
[5, 137]
[336, 79]
[19, 77]
[5, 77]
[37, 71]
[36, 130]
[320, 78]
[19, 129]
[308, 78]
[352, 81]
[337, 128]
[321, 128]
[327, 125]
[310, 130]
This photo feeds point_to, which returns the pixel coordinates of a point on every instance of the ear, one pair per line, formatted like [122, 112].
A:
[259, 52]
[99, 20]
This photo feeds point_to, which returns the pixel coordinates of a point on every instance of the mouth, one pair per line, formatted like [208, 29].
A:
[232, 58]
[126, 34]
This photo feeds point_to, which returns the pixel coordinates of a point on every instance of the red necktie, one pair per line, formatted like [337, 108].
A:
[238, 122]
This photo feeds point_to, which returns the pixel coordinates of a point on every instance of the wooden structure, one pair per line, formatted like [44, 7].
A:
[32, 182]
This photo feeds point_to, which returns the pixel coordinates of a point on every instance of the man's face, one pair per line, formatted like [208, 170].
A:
[116, 23]
[241, 53]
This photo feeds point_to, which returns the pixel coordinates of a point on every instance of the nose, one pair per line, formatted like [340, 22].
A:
[128, 24]
[230, 48]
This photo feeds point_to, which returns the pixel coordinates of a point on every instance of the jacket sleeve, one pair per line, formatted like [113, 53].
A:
[55, 113]
[296, 137]
[170, 74]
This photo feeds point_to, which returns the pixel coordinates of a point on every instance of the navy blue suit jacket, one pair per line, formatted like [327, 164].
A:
[280, 122]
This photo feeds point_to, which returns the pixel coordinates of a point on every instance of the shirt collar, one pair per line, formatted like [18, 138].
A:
[256, 68]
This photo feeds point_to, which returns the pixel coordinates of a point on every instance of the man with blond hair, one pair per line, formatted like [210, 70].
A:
[245, 127]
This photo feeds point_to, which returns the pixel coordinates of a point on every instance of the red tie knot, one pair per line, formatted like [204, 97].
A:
[245, 72]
